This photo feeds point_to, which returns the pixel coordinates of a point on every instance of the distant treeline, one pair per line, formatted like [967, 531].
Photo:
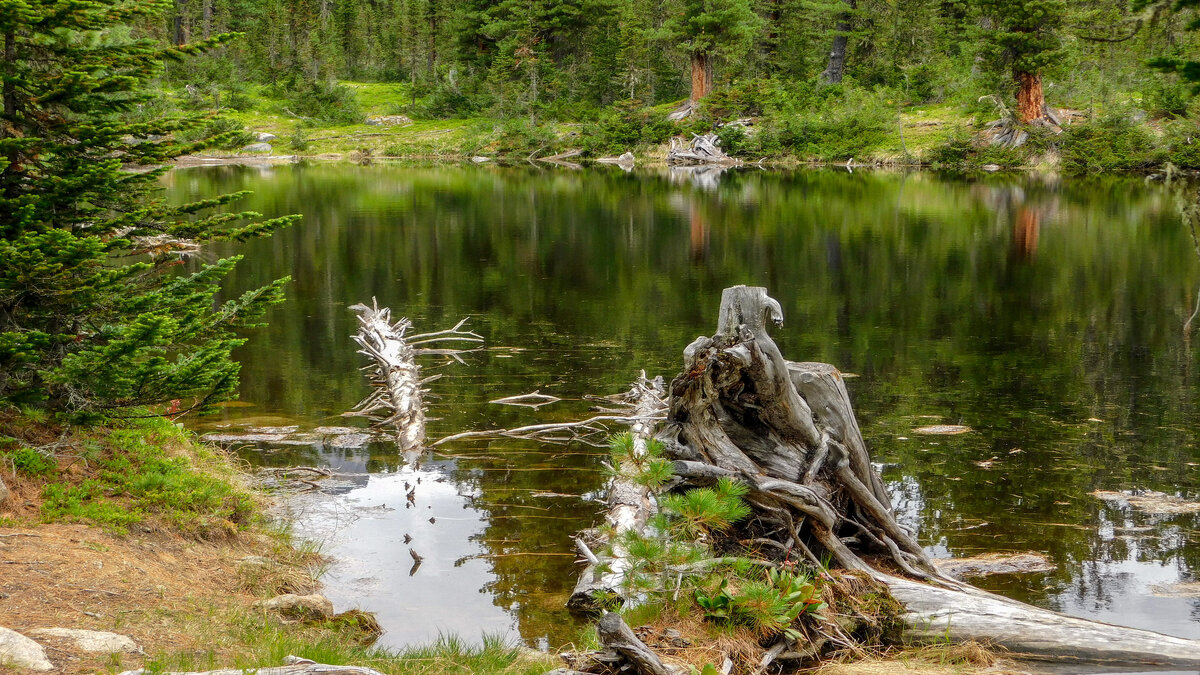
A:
[563, 58]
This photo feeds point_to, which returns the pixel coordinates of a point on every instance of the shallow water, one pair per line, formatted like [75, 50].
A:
[1045, 315]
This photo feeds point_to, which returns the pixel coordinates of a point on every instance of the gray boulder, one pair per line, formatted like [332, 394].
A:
[257, 147]
[92, 640]
[264, 137]
[21, 652]
[315, 606]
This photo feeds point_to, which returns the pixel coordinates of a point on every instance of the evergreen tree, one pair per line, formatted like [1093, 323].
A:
[92, 316]
[1187, 67]
[708, 30]
[1024, 39]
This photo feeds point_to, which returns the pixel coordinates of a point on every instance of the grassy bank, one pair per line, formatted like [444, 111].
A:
[784, 128]
[136, 528]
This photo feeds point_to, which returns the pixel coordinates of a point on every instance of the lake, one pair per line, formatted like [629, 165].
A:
[1045, 314]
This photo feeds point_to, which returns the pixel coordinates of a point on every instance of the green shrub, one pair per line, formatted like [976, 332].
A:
[28, 461]
[1112, 143]
[1182, 141]
[225, 132]
[320, 101]
[627, 125]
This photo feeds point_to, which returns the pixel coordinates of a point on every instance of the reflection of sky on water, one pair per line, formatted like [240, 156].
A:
[363, 532]
[1121, 585]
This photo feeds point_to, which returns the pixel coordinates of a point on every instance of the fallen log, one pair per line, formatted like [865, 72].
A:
[293, 665]
[616, 635]
[630, 506]
[398, 399]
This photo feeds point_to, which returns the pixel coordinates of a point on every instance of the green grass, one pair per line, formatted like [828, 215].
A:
[264, 643]
[140, 470]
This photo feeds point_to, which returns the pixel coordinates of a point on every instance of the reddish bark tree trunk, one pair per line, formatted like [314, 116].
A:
[702, 76]
[1031, 100]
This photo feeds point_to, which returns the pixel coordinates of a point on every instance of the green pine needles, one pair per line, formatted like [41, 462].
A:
[674, 561]
[94, 317]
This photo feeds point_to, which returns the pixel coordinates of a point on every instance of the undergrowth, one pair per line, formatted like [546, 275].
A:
[122, 473]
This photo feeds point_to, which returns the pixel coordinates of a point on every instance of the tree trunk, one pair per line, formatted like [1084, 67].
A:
[702, 76]
[182, 25]
[1031, 101]
[787, 430]
[836, 69]
[207, 10]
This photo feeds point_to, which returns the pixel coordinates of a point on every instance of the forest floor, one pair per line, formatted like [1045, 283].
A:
[920, 129]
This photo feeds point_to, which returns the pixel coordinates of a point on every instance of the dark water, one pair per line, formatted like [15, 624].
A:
[1047, 315]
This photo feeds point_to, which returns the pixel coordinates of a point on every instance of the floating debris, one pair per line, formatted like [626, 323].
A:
[943, 430]
[990, 564]
[534, 399]
[1148, 501]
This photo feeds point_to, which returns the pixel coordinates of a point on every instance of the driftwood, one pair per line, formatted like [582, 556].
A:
[293, 665]
[398, 400]
[788, 431]
[630, 505]
[616, 635]
[625, 409]
[704, 149]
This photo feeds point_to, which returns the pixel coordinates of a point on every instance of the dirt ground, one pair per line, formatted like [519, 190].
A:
[152, 586]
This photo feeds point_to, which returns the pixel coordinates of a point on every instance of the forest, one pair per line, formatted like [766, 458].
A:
[822, 79]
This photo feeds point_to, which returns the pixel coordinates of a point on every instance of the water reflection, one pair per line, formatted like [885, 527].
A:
[1045, 315]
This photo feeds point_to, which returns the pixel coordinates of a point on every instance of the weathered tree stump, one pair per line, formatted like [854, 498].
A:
[788, 431]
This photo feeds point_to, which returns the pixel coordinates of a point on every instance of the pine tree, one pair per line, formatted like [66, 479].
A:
[93, 317]
[1025, 39]
[711, 29]
[1188, 68]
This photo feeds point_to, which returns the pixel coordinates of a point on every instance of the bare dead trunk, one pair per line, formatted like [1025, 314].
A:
[207, 11]
[398, 401]
[702, 76]
[836, 69]
[1031, 100]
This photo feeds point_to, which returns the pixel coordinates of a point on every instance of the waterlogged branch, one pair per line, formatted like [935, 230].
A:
[398, 400]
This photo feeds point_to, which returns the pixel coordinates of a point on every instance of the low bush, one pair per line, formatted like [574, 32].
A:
[1112, 143]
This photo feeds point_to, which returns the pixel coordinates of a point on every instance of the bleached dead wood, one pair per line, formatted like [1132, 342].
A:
[293, 665]
[704, 149]
[788, 431]
[630, 504]
[398, 399]
[960, 612]
[616, 635]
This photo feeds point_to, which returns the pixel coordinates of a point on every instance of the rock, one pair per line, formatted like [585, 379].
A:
[315, 606]
[990, 167]
[257, 147]
[989, 564]
[388, 120]
[479, 159]
[625, 158]
[92, 640]
[3, 491]
[18, 650]
[264, 137]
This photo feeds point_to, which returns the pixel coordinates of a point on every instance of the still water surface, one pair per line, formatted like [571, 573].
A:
[1046, 315]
